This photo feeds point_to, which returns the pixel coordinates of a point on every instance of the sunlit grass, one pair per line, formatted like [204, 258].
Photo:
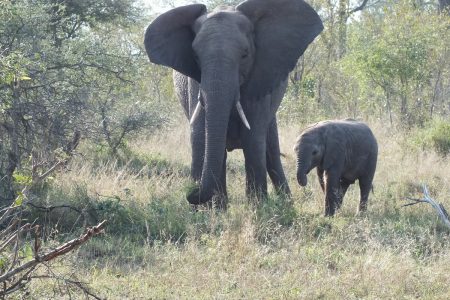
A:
[157, 247]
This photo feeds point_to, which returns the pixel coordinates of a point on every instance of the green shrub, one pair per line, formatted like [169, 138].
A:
[69, 211]
[435, 135]
[440, 137]
[272, 215]
[152, 164]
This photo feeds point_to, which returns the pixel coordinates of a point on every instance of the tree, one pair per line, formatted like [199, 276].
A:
[404, 55]
[66, 66]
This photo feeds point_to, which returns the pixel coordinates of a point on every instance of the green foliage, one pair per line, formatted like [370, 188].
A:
[142, 164]
[435, 135]
[273, 215]
[400, 54]
[158, 220]
[67, 66]
[386, 62]
[276, 209]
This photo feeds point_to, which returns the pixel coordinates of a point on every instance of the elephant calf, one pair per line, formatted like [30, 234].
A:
[342, 151]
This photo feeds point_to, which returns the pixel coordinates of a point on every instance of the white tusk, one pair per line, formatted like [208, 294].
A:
[196, 112]
[242, 114]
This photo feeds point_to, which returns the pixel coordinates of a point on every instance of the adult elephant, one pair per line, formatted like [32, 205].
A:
[241, 59]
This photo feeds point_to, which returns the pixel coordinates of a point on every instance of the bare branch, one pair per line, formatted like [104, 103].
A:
[63, 249]
[358, 8]
[50, 208]
[14, 235]
[79, 284]
[437, 206]
[70, 245]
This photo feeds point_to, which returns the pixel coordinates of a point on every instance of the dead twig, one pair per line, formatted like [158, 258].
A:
[50, 208]
[13, 236]
[63, 249]
[437, 206]
[83, 286]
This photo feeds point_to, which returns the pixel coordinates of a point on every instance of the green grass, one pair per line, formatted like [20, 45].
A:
[157, 247]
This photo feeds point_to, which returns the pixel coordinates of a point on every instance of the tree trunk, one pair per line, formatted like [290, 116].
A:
[342, 27]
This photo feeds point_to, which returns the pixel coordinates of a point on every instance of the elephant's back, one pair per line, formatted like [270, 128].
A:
[354, 133]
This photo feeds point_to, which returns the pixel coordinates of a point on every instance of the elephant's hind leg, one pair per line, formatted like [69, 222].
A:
[365, 185]
[344, 187]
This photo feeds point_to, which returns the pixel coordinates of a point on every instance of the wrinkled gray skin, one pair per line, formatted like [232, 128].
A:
[243, 54]
[187, 93]
[342, 151]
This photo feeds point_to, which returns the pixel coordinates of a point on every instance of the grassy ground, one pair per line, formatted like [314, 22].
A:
[156, 247]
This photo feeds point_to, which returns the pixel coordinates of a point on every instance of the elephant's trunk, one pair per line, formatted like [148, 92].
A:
[219, 92]
[303, 164]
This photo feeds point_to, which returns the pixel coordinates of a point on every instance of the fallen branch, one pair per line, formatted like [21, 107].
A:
[437, 206]
[63, 249]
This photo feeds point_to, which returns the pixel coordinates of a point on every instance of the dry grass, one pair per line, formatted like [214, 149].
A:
[274, 251]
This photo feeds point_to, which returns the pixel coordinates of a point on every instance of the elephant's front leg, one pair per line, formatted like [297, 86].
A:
[254, 146]
[320, 176]
[274, 166]
[198, 146]
[222, 201]
[332, 191]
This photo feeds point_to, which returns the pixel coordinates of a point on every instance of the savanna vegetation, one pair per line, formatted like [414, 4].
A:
[91, 131]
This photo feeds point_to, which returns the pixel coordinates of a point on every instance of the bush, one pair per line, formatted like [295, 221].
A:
[435, 136]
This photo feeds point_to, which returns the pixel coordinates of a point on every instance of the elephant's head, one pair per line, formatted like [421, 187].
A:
[244, 52]
[318, 146]
[309, 149]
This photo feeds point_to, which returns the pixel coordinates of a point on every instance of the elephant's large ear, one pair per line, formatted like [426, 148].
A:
[168, 39]
[283, 31]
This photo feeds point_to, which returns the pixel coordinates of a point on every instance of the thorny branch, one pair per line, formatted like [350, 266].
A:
[437, 206]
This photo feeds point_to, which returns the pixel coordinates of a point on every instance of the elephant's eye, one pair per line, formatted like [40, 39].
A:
[314, 152]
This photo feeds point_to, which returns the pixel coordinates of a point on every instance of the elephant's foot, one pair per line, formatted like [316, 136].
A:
[218, 201]
[329, 209]
[329, 213]
[362, 207]
[194, 196]
[338, 203]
